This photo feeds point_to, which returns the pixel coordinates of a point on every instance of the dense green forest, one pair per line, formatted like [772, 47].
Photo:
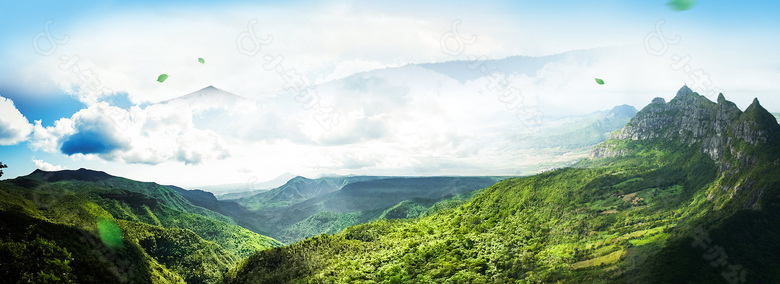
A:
[687, 192]
[89, 227]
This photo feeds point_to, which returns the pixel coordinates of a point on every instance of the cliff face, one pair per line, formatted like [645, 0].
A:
[744, 145]
[693, 119]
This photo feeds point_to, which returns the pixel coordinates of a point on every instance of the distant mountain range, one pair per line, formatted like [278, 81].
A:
[299, 189]
[305, 207]
[580, 131]
[251, 187]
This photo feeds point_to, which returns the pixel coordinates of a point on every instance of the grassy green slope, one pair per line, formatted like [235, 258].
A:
[626, 219]
[541, 228]
[165, 232]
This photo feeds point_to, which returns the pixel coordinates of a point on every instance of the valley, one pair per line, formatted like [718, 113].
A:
[686, 191]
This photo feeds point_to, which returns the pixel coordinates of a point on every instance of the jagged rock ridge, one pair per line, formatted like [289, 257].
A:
[691, 118]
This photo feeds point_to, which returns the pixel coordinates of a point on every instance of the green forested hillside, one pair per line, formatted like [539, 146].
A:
[130, 230]
[358, 200]
[686, 193]
[298, 189]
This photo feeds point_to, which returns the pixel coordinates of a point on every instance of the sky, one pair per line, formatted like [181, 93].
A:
[79, 80]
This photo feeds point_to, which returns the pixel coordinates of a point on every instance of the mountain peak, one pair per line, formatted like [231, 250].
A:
[210, 88]
[754, 104]
[759, 117]
[757, 126]
[80, 174]
[684, 91]
[625, 111]
[210, 93]
[721, 98]
[756, 108]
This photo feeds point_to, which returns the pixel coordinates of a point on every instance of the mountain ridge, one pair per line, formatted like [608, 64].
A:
[692, 119]
[80, 174]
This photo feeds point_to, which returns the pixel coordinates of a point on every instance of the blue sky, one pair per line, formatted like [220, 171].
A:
[129, 43]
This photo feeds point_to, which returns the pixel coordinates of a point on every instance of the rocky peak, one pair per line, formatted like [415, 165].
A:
[693, 119]
[682, 92]
[721, 98]
[756, 125]
[754, 103]
[688, 99]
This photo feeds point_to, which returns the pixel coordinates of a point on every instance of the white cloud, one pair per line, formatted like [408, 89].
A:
[48, 138]
[14, 127]
[328, 41]
[409, 120]
[151, 135]
[40, 164]
[317, 46]
[324, 41]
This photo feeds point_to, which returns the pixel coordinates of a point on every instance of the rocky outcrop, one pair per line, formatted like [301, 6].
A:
[605, 151]
[756, 125]
[695, 120]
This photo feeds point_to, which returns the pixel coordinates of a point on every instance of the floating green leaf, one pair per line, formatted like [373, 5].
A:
[681, 5]
[109, 232]
[162, 78]
[201, 61]
[599, 81]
